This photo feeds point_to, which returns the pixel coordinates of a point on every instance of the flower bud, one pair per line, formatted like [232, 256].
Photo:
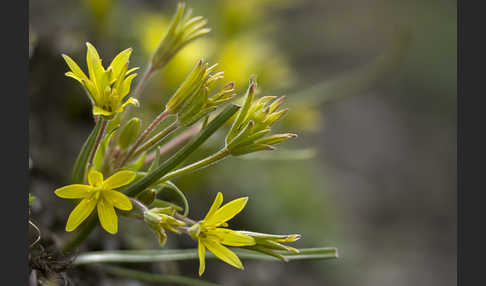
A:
[161, 219]
[268, 243]
[253, 123]
[182, 30]
[129, 133]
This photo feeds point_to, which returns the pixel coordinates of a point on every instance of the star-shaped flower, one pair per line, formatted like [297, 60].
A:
[105, 88]
[211, 233]
[101, 194]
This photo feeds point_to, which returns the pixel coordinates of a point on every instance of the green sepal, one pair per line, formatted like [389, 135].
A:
[135, 166]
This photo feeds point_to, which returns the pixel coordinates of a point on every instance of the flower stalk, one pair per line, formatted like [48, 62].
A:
[156, 139]
[221, 154]
[143, 136]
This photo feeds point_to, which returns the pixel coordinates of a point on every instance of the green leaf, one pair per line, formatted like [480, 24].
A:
[100, 153]
[145, 256]
[183, 153]
[80, 166]
[154, 278]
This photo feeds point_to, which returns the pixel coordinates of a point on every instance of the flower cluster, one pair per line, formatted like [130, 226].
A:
[191, 101]
[117, 149]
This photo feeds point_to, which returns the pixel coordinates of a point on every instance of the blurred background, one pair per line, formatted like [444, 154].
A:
[371, 87]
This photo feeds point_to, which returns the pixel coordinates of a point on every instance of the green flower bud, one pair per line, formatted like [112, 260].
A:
[253, 123]
[129, 133]
[161, 219]
[192, 100]
[182, 30]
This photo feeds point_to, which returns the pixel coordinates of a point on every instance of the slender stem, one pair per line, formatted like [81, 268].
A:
[144, 135]
[221, 154]
[152, 177]
[141, 83]
[176, 141]
[139, 205]
[81, 235]
[184, 219]
[157, 138]
[98, 140]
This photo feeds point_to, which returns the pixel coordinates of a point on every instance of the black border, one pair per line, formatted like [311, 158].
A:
[471, 143]
[15, 137]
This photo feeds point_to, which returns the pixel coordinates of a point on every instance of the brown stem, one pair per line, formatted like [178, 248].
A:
[178, 140]
[143, 136]
[157, 138]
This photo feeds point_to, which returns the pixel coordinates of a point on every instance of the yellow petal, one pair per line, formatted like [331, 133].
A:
[232, 238]
[120, 61]
[71, 74]
[130, 100]
[76, 191]
[107, 216]
[216, 204]
[78, 72]
[227, 212]
[201, 251]
[131, 70]
[95, 68]
[127, 83]
[223, 253]
[117, 199]
[95, 178]
[80, 213]
[119, 179]
[93, 92]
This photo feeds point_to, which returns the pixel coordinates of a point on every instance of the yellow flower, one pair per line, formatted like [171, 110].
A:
[211, 234]
[105, 88]
[99, 193]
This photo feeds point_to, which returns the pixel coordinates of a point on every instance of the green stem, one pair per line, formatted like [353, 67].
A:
[157, 138]
[154, 278]
[183, 153]
[81, 235]
[144, 135]
[141, 83]
[221, 154]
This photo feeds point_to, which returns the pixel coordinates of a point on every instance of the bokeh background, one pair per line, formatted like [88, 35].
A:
[372, 90]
